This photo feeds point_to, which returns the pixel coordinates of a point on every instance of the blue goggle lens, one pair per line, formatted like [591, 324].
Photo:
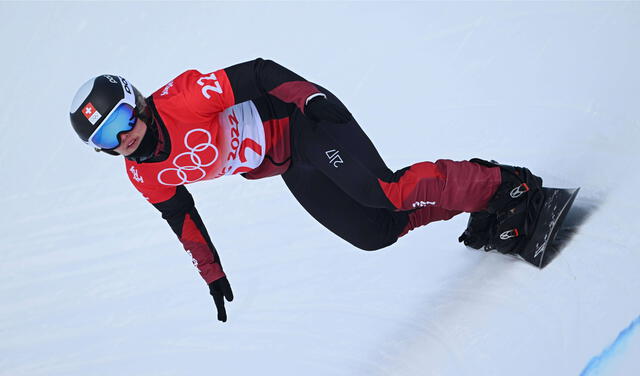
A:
[120, 120]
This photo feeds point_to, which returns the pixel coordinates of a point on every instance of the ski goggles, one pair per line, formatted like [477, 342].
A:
[121, 119]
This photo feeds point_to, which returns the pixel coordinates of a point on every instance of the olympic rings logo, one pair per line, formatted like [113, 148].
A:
[189, 166]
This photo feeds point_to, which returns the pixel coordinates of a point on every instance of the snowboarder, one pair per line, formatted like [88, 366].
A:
[259, 119]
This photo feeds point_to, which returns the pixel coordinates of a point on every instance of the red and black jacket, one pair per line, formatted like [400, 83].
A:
[231, 121]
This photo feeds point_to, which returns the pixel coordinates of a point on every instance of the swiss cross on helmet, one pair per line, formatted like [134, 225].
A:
[104, 107]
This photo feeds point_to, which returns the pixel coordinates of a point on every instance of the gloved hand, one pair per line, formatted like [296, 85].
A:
[221, 289]
[319, 109]
[480, 230]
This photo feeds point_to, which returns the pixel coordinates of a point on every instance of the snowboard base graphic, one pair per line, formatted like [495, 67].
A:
[540, 249]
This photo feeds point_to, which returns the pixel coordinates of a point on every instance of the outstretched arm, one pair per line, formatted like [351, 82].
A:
[255, 78]
[181, 214]
[213, 92]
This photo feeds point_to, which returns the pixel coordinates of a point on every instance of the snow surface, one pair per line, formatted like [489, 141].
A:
[93, 281]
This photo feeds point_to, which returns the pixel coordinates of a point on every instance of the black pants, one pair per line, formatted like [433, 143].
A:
[338, 176]
[333, 175]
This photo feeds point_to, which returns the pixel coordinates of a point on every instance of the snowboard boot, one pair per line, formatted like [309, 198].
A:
[515, 205]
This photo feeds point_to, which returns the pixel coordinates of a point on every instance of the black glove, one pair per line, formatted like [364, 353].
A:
[220, 289]
[480, 230]
[319, 109]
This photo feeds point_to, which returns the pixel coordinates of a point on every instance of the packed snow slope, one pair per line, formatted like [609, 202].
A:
[93, 281]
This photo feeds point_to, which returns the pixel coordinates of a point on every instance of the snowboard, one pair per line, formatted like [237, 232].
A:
[540, 249]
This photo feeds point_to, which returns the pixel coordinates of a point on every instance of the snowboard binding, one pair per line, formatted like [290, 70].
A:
[511, 213]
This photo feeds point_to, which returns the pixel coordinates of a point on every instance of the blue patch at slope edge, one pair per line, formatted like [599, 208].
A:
[597, 362]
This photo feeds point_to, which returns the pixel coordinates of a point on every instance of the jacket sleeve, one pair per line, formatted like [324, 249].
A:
[259, 77]
[180, 212]
[206, 94]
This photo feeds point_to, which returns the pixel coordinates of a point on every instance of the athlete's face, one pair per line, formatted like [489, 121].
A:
[130, 141]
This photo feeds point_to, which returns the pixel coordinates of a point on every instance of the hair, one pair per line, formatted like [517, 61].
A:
[142, 109]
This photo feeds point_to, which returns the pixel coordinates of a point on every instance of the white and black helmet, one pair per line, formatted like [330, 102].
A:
[97, 98]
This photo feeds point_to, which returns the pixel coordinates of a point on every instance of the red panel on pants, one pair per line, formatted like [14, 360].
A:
[458, 186]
